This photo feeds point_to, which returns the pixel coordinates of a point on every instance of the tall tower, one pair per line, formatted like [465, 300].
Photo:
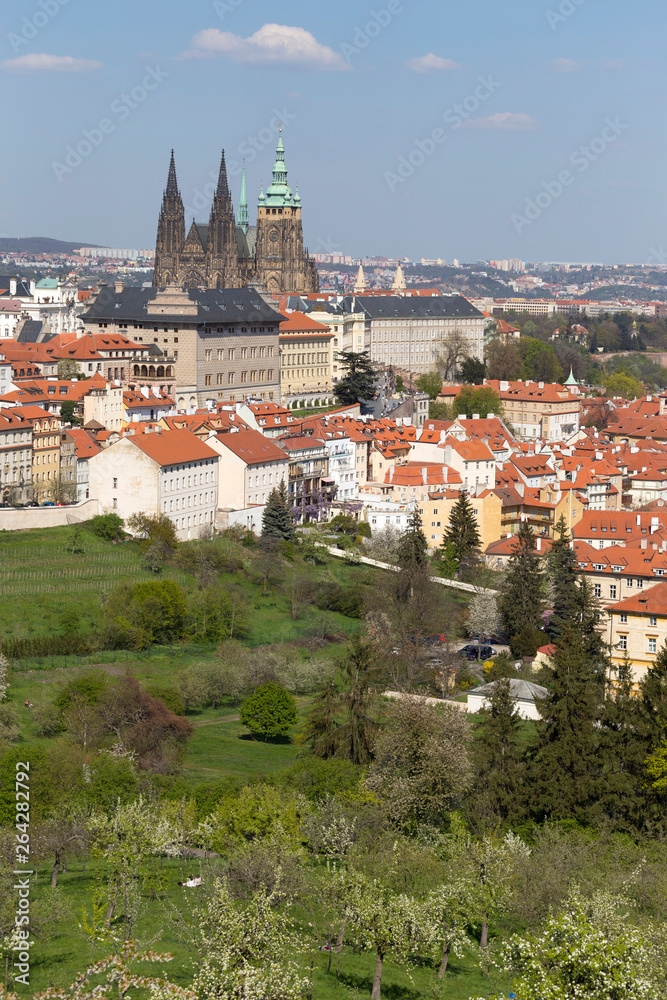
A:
[281, 261]
[170, 232]
[221, 248]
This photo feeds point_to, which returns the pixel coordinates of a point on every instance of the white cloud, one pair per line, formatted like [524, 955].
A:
[430, 63]
[566, 65]
[37, 62]
[504, 120]
[272, 44]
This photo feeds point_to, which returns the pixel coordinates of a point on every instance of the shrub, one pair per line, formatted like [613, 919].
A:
[107, 526]
[269, 712]
[169, 697]
[364, 530]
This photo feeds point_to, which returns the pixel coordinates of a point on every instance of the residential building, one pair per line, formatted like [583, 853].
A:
[534, 409]
[250, 466]
[161, 472]
[473, 461]
[147, 404]
[45, 446]
[618, 527]
[104, 406]
[309, 480]
[85, 447]
[306, 360]
[436, 508]
[637, 629]
[15, 457]
[222, 344]
[413, 481]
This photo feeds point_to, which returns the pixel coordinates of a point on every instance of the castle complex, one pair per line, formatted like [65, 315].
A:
[224, 254]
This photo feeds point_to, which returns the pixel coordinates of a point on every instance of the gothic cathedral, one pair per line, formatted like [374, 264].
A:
[223, 254]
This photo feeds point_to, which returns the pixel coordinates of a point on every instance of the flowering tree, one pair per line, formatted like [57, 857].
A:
[112, 978]
[386, 923]
[246, 951]
[589, 951]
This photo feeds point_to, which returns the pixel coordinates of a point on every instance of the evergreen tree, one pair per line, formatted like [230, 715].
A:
[357, 730]
[321, 730]
[566, 763]
[359, 381]
[462, 532]
[412, 545]
[498, 792]
[277, 521]
[522, 593]
[622, 752]
[566, 597]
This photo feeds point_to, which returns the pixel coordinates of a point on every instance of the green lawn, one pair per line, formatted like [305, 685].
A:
[62, 950]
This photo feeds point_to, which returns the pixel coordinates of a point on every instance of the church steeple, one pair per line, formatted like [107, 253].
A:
[221, 245]
[278, 193]
[244, 217]
[360, 284]
[171, 190]
[223, 186]
[170, 231]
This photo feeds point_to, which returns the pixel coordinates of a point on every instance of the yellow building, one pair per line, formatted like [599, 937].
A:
[435, 512]
[638, 627]
[46, 439]
[306, 356]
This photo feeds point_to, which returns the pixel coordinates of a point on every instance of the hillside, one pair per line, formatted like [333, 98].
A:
[40, 244]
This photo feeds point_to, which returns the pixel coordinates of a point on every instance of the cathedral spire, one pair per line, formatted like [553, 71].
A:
[244, 218]
[223, 186]
[278, 192]
[171, 190]
[360, 284]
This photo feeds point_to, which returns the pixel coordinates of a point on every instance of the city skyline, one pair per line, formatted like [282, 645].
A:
[411, 128]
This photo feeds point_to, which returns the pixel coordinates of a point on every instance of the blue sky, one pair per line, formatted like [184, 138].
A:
[555, 152]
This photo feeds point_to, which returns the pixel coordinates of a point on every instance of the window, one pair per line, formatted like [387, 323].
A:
[230, 378]
[653, 621]
[115, 484]
[208, 355]
[612, 591]
[624, 619]
[622, 642]
[244, 376]
[207, 379]
[640, 584]
[597, 590]
[653, 645]
[231, 353]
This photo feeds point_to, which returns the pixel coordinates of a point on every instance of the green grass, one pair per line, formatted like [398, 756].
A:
[62, 951]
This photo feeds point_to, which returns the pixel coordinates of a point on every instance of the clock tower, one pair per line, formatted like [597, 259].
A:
[282, 263]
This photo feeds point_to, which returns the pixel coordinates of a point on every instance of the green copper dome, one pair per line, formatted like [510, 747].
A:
[571, 380]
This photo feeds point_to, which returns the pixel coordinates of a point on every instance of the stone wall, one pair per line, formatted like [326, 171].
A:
[24, 518]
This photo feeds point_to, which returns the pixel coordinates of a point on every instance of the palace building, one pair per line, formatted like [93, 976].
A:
[227, 254]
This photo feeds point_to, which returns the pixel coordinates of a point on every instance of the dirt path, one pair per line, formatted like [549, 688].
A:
[217, 722]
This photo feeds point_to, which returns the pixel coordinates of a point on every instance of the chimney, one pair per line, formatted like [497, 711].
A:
[538, 544]
[540, 385]
[12, 286]
[118, 287]
[639, 520]
[475, 416]
[644, 544]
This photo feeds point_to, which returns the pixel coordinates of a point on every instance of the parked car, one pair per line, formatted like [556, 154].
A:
[472, 652]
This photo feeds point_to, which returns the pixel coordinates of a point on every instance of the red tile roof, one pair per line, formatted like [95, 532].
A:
[650, 602]
[173, 447]
[252, 447]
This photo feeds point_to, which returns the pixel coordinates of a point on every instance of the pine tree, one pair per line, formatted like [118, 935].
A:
[321, 729]
[277, 521]
[462, 532]
[498, 793]
[522, 592]
[566, 766]
[623, 751]
[566, 597]
[412, 545]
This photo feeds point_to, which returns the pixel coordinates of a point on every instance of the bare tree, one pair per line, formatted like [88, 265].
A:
[453, 349]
